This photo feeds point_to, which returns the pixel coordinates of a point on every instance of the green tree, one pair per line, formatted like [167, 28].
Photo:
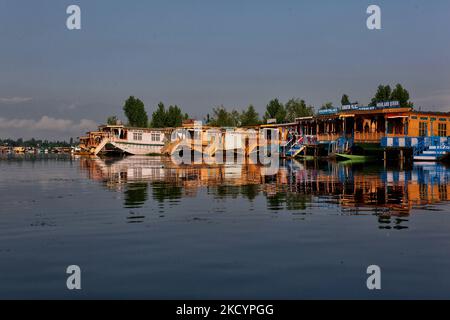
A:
[249, 117]
[134, 110]
[275, 110]
[159, 117]
[174, 117]
[383, 94]
[112, 120]
[345, 100]
[401, 95]
[296, 108]
[326, 106]
[222, 118]
[235, 118]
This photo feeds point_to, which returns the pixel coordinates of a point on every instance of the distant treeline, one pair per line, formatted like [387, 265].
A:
[33, 143]
[220, 116]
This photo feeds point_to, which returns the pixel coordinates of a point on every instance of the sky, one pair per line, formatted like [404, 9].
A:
[57, 83]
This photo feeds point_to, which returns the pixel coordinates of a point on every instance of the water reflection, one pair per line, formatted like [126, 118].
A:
[354, 188]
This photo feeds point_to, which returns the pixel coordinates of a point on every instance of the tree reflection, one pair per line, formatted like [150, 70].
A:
[135, 195]
[163, 191]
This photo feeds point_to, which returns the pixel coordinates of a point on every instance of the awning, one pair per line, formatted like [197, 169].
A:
[347, 116]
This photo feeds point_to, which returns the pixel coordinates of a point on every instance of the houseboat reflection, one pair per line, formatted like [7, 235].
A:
[355, 189]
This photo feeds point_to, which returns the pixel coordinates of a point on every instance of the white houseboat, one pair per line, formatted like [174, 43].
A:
[128, 140]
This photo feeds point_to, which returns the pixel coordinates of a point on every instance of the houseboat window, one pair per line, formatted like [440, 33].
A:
[423, 129]
[156, 137]
[414, 117]
[137, 136]
[423, 118]
[442, 129]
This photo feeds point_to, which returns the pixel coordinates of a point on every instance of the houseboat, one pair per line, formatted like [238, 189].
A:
[362, 132]
[122, 139]
[4, 149]
[19, 150]
[204, 143]
[219, 144]
[357, 133]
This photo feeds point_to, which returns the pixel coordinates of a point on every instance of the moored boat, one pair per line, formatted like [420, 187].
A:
[353, 157]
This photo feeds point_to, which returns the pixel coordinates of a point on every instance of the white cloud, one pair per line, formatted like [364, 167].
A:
[48, 124]
[14, 100]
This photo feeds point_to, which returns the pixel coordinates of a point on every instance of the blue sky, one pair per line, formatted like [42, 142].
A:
[56, 83]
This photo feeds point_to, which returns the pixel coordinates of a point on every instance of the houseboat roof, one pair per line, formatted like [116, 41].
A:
[433, 113]
[390, 111]
[121, 126]
[304, 118]
[276, 125]
[336, 113]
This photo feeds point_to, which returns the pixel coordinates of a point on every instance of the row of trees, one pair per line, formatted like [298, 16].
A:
[384, 93]
[35, 143]
[221, 117]
[173, 116]
[134, 110]
[275, 109]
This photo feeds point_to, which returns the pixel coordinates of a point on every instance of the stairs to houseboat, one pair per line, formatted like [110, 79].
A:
[100, 147]
[295, 151]
[433, 153]
[294, 147]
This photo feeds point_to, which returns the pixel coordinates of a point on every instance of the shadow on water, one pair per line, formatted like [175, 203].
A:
[355, 189]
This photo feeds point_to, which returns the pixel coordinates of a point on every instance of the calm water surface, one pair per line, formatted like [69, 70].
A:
[144, 228]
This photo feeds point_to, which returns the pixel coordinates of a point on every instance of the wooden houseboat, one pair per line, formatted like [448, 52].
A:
[355, 132]
[122, 139]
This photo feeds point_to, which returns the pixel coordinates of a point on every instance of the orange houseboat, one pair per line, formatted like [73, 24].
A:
[371, 130]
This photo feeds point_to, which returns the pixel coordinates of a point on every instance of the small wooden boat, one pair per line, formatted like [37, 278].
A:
[307, 157]
[353, 157]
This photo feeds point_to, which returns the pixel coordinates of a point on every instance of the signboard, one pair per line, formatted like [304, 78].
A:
[368, 108]
[388, 104]
[328, 111]
[350, 107]
[355, 107]
[380, 105]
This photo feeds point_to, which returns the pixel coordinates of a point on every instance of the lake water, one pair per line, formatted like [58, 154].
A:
[140, 227]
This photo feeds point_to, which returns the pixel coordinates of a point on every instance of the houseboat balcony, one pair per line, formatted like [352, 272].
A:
[327, 137]
[368, 137]
[358, 137]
